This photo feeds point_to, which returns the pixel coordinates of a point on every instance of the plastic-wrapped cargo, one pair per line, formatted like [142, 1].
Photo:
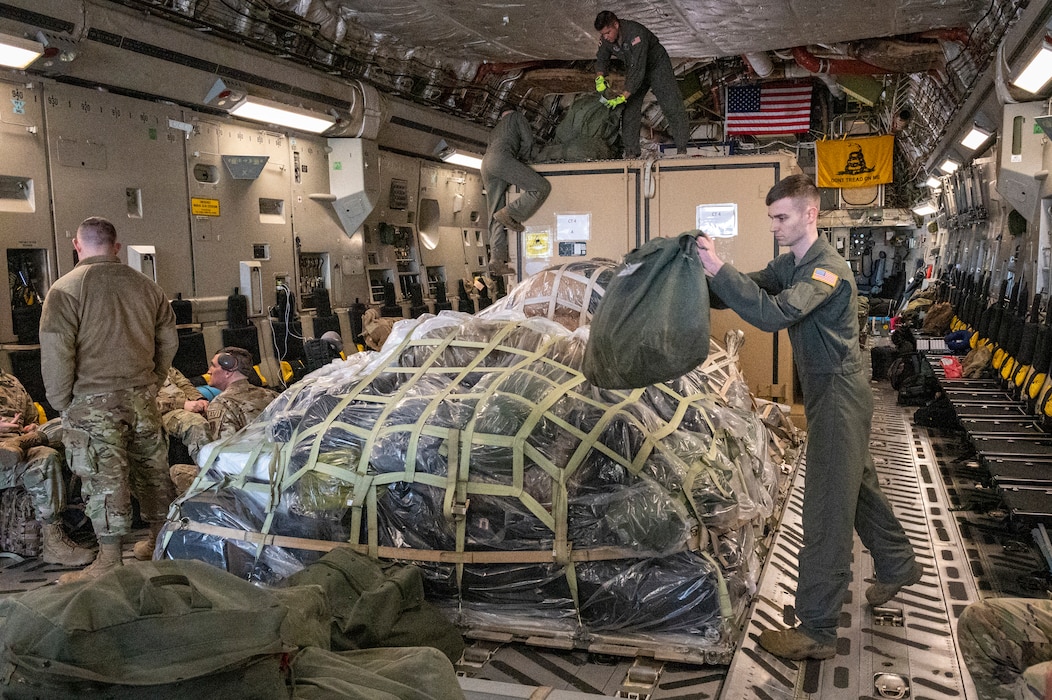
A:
[473, 447]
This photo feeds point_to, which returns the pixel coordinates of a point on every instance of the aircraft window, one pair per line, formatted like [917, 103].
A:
[208, 174]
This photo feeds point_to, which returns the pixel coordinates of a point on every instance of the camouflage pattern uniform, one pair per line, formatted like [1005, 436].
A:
[41, 472]
[186, 426]
[176, 391]
[112, 429]
[1007, 647]
[237, 406]
[119, 428]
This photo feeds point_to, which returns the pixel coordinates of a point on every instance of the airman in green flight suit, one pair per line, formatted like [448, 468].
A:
[810, 291]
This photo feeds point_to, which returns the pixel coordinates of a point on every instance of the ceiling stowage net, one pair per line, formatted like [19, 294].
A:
[473, 447]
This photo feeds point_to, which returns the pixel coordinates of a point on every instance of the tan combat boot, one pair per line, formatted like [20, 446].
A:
[503, 217]
[108, 559]
[143, 549]
[794, 644]
[880, 593]
[60, 549]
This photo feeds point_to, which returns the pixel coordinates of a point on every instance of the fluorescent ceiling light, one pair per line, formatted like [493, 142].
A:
[261, 110]
[949, 165]
[1037, 72]
[455, 157]
[933, 182]
[975, 138]
[925, 208]
[16, 52]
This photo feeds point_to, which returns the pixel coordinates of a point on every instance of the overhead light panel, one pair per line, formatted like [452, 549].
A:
[925, 208]
[16, 52]
[1038, 71]
[933, 182]
[462, 158]
[949, 165]
[258, 109]
[975, 138]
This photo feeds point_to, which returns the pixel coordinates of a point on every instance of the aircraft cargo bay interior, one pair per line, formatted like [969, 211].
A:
[661, 350]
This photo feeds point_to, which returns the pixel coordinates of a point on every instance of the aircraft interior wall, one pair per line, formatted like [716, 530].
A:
[206, 205]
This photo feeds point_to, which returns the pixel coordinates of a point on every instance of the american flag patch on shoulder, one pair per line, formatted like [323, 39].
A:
[823, 275]
[637, 40]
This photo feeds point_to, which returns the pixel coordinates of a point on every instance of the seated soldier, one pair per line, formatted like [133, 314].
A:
[238, 403]
[182, 409]
[40, 471]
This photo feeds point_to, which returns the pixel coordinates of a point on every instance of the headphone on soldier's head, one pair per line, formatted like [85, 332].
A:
[227, 361]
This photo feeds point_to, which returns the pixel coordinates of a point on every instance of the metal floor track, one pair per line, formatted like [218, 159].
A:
[908, 649]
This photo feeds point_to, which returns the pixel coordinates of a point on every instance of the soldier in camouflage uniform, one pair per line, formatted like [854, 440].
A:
[182, 409]
[238, 404]
[40, 474]
[1007, 647]
[111, 426]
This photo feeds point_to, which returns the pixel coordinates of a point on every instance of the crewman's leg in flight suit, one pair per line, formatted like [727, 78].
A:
[842, 496]
[499, 172]
[663, 84]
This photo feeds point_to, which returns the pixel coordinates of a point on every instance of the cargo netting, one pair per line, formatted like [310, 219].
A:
[473, 447]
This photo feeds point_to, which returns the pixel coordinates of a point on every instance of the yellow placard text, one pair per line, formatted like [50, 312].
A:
[201, 206]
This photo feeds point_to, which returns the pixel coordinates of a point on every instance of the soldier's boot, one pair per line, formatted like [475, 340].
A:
[794, 644]
[880, 593]
[60, 549]
[500, 269]
[143, 550]
[108, 559]
[503, 217]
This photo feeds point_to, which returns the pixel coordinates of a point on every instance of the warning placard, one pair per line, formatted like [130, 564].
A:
[200, 206]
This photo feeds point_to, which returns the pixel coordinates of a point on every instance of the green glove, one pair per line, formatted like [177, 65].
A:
[600, 83]
[619, 100]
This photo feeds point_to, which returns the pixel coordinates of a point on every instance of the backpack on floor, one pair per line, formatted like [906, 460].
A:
[165, 629]
[378, 604]
[19, 527]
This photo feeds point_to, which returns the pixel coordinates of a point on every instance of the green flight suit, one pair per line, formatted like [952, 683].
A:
[505, 164]
[815, 300]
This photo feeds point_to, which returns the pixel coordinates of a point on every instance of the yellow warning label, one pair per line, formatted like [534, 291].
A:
[199, 206]
[538, 244]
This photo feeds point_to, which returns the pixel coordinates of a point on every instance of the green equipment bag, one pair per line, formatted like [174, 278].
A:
[652, 324]
[165, 629]
[378, 604]
[409, 673]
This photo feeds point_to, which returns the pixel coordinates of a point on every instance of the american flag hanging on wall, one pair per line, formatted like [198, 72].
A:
[768, 109]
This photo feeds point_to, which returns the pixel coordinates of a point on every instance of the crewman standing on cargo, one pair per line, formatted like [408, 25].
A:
[107, 339]
[647, 67]
[810, 291]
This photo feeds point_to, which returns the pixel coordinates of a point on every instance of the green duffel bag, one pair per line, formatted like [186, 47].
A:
[406, 673]
[652, 324]
[165, 629]
[378, 604]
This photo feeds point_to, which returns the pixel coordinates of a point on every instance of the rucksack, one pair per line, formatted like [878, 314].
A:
[652, 324]
[378, 604]
[165, 629]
